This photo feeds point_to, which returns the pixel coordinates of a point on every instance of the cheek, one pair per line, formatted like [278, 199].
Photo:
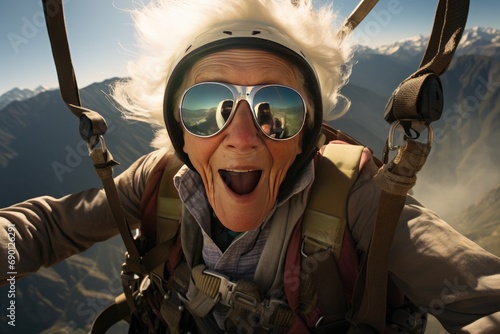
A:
[200, 151]
[284, 155]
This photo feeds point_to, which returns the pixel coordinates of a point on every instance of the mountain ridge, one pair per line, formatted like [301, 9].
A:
[20, 94]
[474, 41]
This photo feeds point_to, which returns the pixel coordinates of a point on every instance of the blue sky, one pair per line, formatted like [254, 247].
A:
[101, 35]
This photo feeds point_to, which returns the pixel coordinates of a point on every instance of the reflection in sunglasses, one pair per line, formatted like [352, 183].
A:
[206, 108]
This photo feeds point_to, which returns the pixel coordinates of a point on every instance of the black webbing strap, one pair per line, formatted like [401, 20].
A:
[327, 281]
[92, 125]
[445, 36]
[420, 97]
[111, 315]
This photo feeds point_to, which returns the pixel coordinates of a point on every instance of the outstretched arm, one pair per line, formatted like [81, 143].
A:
[437, 268]
[43, 231]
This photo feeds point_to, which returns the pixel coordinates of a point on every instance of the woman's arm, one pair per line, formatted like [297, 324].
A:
[43, 231]
[439, 269]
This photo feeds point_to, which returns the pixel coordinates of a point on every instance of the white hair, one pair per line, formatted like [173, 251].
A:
[165, 28]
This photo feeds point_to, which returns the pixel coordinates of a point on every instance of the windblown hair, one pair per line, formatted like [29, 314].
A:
[165, 28]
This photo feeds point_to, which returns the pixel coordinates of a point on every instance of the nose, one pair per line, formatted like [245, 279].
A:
[241, 133]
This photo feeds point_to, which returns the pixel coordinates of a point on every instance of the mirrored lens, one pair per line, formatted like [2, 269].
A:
[205, 108]
[279, 111]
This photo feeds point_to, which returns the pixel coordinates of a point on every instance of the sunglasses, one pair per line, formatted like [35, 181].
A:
[208, 107]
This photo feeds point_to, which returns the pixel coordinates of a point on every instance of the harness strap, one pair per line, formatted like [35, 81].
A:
[325, 220]
[112, 314]
[209, 288]
[324, 227]
[420, 96]
[417, 100]
[92, 125]
[394, 180]
[355, 18]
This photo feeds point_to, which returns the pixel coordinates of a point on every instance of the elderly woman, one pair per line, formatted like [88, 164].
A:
[243, 191]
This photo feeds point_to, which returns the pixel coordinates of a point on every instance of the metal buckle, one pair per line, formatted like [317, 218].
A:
[159, 282]
[94, 141]
[318, 323]
[319, 246]
[226, 288]
[229, 296]
[128, 277]
[270, 309]
[392, 130]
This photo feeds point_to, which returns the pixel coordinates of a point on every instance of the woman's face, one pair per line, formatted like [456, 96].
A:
[241, 168]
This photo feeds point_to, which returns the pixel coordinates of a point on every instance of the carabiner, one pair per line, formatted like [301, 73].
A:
[392, 130]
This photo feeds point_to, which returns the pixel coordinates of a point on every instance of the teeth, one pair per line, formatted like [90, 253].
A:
[239, 170]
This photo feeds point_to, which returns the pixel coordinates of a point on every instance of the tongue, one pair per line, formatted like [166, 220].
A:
[241, 183]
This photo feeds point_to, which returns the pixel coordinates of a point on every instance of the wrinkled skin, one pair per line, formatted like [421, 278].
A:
[241, 146]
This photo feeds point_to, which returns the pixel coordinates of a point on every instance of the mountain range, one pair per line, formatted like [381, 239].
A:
[41, 153]
[19, 94]
[466, 134]
[475, 41]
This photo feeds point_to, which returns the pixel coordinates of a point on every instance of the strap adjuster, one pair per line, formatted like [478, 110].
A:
[226, 288]
[218, 289]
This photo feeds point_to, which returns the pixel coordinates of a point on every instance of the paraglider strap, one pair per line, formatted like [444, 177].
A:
[92, 124]
[416, 102]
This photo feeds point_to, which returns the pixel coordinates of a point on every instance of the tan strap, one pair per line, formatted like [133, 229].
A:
[325, 218]
[394, 180]
[103, 164]
[418, 99]
[92, 125]
[358, 14]
[324, 227]
[169, 205]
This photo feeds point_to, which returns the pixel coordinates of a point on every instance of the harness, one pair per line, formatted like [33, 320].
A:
[416, 103]
[321, 262]
[319, 238]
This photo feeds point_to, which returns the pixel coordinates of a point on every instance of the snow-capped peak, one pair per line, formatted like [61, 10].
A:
[479, 36]
[475, 40]
[412, 44]
[20, 94]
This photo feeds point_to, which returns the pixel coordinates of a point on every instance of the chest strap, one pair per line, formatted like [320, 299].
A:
[209, 288]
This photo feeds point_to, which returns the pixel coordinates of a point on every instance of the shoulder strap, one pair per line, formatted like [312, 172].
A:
[169, 206]
[323, 239]
[325, 217]
[325, 221]
[161, 212]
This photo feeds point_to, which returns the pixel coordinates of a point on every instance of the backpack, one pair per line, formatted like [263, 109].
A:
[321, 253]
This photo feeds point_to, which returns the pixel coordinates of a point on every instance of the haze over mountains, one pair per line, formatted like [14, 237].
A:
[42, 153]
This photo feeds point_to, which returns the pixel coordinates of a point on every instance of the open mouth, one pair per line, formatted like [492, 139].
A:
[241, 182]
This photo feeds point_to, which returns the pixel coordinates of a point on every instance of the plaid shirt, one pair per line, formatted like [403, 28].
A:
[240, 259]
